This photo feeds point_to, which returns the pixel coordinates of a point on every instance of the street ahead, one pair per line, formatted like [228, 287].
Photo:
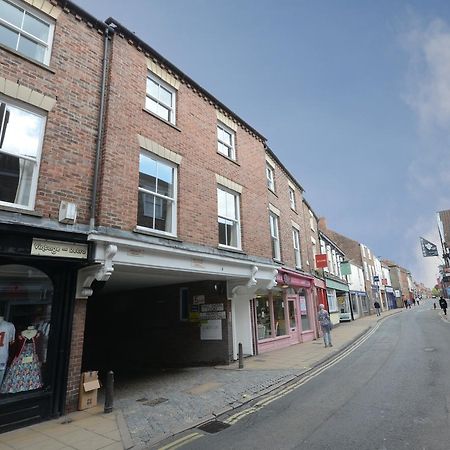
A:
[393, 392]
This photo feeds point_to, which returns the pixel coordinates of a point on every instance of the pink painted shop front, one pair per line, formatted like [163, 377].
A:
[285, 316]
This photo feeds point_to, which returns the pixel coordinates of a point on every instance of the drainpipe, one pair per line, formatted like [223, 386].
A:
[109, 30]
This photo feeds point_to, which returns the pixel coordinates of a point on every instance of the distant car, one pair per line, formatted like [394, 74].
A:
[434, 296]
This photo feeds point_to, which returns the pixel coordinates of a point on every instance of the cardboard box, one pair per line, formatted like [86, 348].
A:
[89, 386]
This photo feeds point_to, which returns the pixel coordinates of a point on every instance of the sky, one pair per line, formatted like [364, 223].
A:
[353, 96]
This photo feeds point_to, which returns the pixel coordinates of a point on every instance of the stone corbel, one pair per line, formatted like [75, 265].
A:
[249, 287]
[273, 282]
[99, 272]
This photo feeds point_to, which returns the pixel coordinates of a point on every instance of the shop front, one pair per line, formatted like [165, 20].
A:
[391, 300]
[357, 298]
[338, 300]
[37, 286]
[285, 315]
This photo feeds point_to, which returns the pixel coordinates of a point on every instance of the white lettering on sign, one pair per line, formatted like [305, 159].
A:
[59, 249]
[212, 307]
[213, 315]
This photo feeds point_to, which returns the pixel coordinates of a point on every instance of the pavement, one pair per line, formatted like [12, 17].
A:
[152, 406]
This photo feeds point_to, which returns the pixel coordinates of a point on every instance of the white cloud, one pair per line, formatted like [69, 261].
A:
[428, 95]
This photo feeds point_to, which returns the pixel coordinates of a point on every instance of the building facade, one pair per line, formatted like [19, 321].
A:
[49, 108]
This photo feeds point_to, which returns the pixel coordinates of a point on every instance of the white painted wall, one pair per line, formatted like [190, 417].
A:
[241, 324]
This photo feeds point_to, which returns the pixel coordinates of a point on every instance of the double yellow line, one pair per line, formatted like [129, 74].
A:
[288, 389]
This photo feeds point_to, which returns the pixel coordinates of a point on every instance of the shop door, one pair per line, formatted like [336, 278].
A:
[293, 318]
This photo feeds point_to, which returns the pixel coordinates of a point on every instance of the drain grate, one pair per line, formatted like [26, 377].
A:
[154, 402]
[214, 427]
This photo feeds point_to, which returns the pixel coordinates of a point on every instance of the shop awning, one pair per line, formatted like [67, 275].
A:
[332, 284]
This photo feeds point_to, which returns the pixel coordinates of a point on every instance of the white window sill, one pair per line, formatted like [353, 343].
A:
[18, 209]
[161, 119]
[230, 249]
[155, 233]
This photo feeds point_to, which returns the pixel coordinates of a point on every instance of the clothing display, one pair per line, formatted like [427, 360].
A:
[24, 372]
[7, 336]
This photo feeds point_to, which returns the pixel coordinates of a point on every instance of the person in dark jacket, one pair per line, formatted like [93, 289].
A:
[377, 307]
[443, 305]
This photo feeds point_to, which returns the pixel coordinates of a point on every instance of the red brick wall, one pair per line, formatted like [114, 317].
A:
[195, 141]
[76, 352]
[280, 199]
[68, 152]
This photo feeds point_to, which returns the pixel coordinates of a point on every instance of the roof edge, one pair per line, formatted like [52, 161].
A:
[121, 29]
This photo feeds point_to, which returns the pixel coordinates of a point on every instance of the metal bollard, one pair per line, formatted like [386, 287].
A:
[241, 357]
[109, 392]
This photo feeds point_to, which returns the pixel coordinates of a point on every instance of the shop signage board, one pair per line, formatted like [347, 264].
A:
[376, 278]
[213, 315]
[346, 268]
[303, 309]
[58, 249]
[211, 330]
[321, 261]
[212, 307]
[397, 293]
[198, 299]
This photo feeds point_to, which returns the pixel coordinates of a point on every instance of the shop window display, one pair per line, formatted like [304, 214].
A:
[25, 313]
[279, 315]
[263, 317]
[306, 324]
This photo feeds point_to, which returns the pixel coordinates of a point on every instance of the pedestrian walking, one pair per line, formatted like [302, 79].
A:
[434, 305]
[406, 303]
[443, 305]
[377, 307]
[418, 304]
[326, 325]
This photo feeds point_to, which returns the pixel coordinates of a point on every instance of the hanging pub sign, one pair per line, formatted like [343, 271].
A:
[345, 268]
[321, 261]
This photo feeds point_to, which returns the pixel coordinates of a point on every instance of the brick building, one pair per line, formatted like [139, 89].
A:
[178, 223]
[287, 314]
[363, 257]
[50, 77]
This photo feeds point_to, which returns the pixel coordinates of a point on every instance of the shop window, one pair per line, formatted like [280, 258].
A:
[21, 134]
[279, 315]
[364, 304]
[306, 324]
[354, 303]
[25, 315]
[263, 318]
[332, 302]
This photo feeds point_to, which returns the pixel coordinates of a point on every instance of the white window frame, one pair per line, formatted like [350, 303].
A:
[332, 300]
[274, 224]
[311, 221]
[366, 270]
[297, 249]
[292, 199]
[270, 175]
[231, 154]
[38, 15]
[236, 220]
[363, 251]
[33, 187]
[167, 87]
[174, 200]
